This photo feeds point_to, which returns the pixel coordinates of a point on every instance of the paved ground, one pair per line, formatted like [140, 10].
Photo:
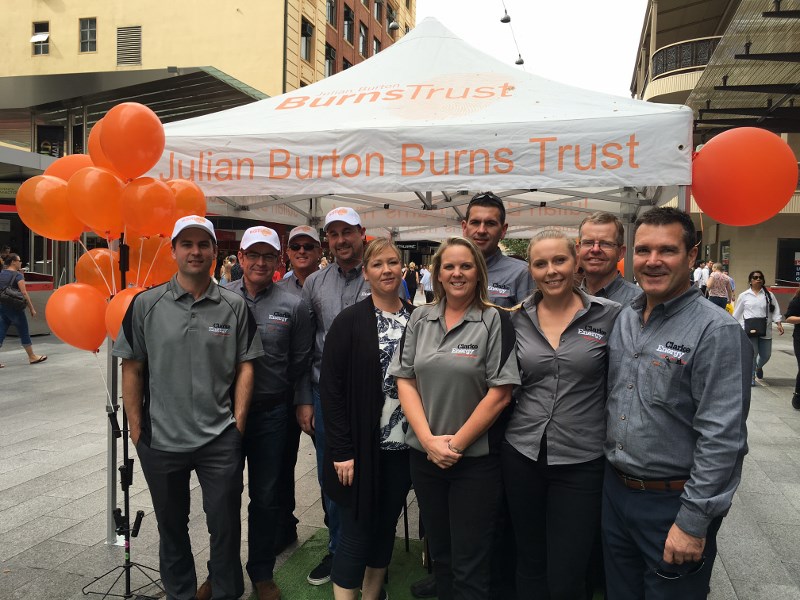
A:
[53, 479]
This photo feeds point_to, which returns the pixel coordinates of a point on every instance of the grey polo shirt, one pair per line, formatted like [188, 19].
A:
[455, 369]
[287, 335]
[619, 290]
[190, 349]
[563, 391]
[291, 284]
[327, 292]
[678, 398]
[510, 281]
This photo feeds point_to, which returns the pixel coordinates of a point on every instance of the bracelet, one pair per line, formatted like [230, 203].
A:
[454, 449]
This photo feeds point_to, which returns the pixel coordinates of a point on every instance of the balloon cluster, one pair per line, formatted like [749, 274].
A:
[105, 192]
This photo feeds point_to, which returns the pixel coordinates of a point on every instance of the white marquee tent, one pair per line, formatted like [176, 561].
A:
[408, 136]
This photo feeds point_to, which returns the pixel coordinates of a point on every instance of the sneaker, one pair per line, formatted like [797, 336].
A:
[753, 383]
[424, 588]
[321, 574]
[267, 590]
[759, 372]
[796, 401]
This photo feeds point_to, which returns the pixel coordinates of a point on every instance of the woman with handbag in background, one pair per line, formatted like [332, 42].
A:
[756, 310]
[13, 300]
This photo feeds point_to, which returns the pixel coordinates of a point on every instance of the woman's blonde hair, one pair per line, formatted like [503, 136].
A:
[552, 234]
[481, 293]
[377, 246]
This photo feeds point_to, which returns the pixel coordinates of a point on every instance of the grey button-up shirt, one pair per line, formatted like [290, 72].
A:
[327, 293]
[510, 281]
[678, 398]
[287, 335]
[563, 391]
[619, 290]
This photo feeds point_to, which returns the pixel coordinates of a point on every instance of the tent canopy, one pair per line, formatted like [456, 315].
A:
[409, 135]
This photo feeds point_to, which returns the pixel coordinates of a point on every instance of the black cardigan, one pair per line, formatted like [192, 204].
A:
[351, 391]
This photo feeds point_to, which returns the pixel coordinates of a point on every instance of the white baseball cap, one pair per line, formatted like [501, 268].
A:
[255, 235]
[303, 230]
[344, 214]
[194, 222]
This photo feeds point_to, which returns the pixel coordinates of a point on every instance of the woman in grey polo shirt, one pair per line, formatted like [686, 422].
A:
[455, 368]
[553, 455]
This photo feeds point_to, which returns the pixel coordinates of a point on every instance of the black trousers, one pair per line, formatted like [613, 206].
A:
[458, 507]
[284, 494]
[369, 542]
[218, 465]
[555, 512]
[796, 341]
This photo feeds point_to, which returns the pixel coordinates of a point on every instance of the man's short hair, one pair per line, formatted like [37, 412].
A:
[604, 218]
[666, 215]
[488, 200]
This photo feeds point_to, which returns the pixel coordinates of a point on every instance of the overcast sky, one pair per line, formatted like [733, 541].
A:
[586, 43]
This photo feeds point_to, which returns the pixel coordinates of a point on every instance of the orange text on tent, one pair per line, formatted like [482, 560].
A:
[416, 160]
[283, 165]
[584, 156]
[208, 168]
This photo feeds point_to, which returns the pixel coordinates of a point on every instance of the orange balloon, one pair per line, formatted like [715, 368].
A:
[150, 261]
[163, 266]
[132, 138]
[621, 266]
[96, 150]
[744, 176]
[99, 268]
[42, 205]
[117, 308]
[75, 313]
[148, 206]
[189, 198]
[66, 166]
[95, 196]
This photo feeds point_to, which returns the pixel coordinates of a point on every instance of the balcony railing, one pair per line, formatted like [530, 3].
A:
[684, 56]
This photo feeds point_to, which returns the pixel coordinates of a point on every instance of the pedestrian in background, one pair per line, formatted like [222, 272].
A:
[12, 276]
[793, 317]
[719, 288]
[760, 305]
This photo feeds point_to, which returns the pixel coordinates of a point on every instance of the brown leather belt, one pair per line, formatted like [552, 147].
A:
[662, 485]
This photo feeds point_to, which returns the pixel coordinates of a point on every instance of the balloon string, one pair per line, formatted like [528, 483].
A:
[96, 266]
[161, 244]
[111, 268]
[100, 368]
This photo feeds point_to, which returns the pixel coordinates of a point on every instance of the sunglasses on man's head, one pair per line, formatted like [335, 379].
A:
[306, 247]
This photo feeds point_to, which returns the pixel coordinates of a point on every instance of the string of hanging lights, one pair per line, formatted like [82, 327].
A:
[506, 20]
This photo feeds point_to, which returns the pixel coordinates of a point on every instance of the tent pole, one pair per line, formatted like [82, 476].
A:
[683, 197]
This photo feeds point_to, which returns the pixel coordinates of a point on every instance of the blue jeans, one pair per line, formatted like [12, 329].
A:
[319, 442]
[762, 351]
[264, 445]
[8, 317]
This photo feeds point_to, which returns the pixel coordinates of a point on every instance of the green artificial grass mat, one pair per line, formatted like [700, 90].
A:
[405, 569]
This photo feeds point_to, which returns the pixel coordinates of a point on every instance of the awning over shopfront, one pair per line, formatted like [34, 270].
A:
[409, 135]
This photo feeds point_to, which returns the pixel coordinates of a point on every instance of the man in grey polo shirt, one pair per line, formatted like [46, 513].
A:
[676, 434]
[327, 292]
[485, 225]
[282, 380]
[187, 348]
[601, 246]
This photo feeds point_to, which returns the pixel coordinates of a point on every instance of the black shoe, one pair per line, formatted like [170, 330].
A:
[424, 588]
[286, 539]
[796, 401]
[759, 372]
[321, 574]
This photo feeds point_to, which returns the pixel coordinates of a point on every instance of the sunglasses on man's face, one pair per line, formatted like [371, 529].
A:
[306, 247]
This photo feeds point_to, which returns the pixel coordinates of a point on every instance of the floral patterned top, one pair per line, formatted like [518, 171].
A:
[393, 424]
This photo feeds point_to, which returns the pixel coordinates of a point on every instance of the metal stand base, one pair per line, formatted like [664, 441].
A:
[126, 570]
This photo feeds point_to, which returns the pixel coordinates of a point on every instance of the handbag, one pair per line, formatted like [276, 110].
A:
[756, 327]
[12, 298]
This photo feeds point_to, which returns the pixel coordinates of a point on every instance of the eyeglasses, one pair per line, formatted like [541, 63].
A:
[306, 247]
[488, 198]
[759, 277]
[678, 571]
[604, 245]
[256, 256]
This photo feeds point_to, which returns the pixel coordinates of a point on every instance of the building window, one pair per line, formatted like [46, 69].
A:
[129, 45]
[349, 23]
[330, 60]
[363, 36]
[346, 64]
[306, 40]
[391, 17]
[377, 10]
[41, 38]
[88, 31]
[408, 4]
[365, 3]
[331, 4]
[376, 46]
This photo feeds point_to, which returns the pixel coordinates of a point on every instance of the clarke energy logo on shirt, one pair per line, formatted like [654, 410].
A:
[222, 329]
[593, 334]
[281, 318]
[673, 352]
[468, 350]
[498, 290]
